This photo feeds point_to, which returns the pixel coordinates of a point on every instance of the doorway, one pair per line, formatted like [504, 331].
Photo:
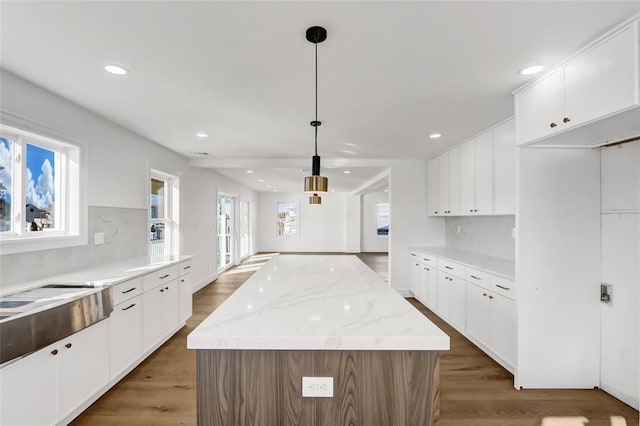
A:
[225, 227]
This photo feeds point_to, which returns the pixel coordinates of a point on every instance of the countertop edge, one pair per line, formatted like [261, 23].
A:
[433, 251]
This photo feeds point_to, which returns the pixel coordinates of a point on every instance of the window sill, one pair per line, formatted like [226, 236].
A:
[40, 242]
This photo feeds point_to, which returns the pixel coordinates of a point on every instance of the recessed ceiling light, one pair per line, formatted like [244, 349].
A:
[249, 171]
[268, 186]
[386, 190]
[346, 172]
[260, 180]
[202, 135]
[435, 135]
[534, 69]
[349, 144]
[115, 69]
[275, 190]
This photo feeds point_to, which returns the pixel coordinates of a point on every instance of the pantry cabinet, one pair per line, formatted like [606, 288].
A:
[433, 190]
[598, 82]
[504, 168]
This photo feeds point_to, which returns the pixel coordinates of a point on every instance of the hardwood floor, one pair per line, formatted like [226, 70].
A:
[474, 390]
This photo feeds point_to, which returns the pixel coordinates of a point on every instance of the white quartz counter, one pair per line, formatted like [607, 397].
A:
[493, 265]
[309, 302]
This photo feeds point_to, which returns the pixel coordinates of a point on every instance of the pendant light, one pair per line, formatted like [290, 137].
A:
[315, 183]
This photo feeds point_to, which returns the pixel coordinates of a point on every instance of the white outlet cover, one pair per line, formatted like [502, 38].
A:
[98, 238]
[317, 387]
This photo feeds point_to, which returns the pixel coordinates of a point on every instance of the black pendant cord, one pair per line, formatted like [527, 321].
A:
[316, 127]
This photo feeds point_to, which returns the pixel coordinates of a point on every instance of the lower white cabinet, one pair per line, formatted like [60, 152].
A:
[414, 277]
[161, 313]
[125, 335]
[443, 305]
[48, 385]
[479, 314]
[186, 298]
[458, 303]
[430, 274]
[170, 307]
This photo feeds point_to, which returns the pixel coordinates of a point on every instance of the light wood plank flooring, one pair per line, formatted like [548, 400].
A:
[475, 390]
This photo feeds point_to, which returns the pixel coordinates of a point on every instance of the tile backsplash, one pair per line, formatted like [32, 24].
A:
[488, 235]
[125, 236]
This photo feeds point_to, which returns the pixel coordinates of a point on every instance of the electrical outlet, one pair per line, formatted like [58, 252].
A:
[513, 233]
[458, 229]
[98, 238]
[317, 387]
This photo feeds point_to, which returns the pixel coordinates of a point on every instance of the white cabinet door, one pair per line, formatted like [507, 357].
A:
[540, 108]
[186, 298]
[83, 367]
[454, 181]
[484, 174]
[152, 317]
[444, 295]
[28, 389]
[433, 197]
[503, 328]
[620, 176]
[170, 307]
[414, 277]
[443, 182]
[504, 168]
[468, 177]
[479, 314]
[458, 303]
[125, 335]
[432, 289]
[423, 288]
[602, 80]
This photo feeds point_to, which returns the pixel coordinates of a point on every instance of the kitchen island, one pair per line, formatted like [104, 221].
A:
[317, 316]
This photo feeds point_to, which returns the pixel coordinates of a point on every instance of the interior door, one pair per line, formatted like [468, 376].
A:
[225, 220]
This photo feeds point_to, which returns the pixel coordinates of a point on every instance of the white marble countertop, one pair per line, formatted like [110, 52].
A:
[312, 302]
[493, 265]
[98, 276]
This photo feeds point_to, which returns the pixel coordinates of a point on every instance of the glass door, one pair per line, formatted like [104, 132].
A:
[225, 232]
[244, 229]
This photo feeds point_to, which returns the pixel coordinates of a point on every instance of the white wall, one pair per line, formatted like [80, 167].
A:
[119, 162]
[371, 241]
[354, 228]
[322, 227]
[558, 268]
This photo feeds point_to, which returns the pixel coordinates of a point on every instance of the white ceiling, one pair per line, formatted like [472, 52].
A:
[389, 72]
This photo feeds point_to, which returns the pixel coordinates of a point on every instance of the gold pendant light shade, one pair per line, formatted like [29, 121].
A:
[315, 184]
[315, 199]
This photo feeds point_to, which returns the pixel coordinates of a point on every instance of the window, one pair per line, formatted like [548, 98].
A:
[164, 212]
[382, 221]
[40, 196]
[287, 219]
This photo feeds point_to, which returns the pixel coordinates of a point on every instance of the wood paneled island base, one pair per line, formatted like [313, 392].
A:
[264, 387]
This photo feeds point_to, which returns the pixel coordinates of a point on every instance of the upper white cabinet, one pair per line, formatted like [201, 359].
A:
[599, 82]
[476, 177]
[620, 174]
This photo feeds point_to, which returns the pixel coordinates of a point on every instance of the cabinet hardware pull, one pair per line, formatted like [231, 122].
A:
[68, 345]
[413, 254]
[417, 264]
[427, 269]
[471, 210]
[426, 260]
[448, 267]
[54, 352]
[475, 278]
[130, 290]
[504, 288]
[162, 290]
[166, 288]
[436, 212]
[566, 120]
[129, 307]
[484, 294]
[490, 297]
[475, 210]
[187, 267]
[164, 276]
[181, 281]
[552, 125]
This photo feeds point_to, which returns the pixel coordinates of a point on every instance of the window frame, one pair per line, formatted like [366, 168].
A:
[297, 207]
[172, 212]
[70, 189]
[376, 216]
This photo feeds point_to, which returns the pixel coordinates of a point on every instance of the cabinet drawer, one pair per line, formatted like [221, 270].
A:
[427, 259]
[504, 287]
[479, 278]
[159, 277]
[452, 268]
[184, 267]
[126, 290]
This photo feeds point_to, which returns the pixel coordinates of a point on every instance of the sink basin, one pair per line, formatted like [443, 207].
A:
[70, 285]
[11, 304]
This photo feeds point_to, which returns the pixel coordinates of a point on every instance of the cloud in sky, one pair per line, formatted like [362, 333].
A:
[41, 194]
[5, 161]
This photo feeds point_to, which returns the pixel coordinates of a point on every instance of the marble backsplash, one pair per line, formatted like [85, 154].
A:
[125, 236]
[488, 235]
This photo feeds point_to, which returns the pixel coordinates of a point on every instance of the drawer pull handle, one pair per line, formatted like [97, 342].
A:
[448, 267]
[187, 267]
[413, 254]
[484, 294]
[552, 125]
[490, 297]
[504, 288]
[164, 276]
[426, 260]
[475, 278]
[129, 307]
[128, 291]
[68, 345]
[54, 352]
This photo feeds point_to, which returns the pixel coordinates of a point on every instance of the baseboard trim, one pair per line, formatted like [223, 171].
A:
[203, 282]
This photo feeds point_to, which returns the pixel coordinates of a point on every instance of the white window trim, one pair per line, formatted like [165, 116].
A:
[297, 204]
[248, 202]
[73, 225]
[375, 220]
[172, 208]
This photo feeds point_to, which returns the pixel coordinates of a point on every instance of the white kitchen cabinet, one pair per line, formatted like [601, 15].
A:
[600, 81]
[28, 389]
[479, 314]
[504, 168]
[443, 182]
[170, 307]
[414, 276]
[620, 174]
[443, 306]
[484, 174]
[125, 335]
[152, 317]
[433, 197]
[454, 181]
[429, 278]
[83, 367]
[458, 302]
[468, 177]
[186, 298]
[503, 328]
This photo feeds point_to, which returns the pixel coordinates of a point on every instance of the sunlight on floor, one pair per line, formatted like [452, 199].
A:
[578, 421]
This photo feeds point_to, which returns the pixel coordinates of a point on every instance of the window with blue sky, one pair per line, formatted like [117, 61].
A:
[6, 173]
[40, 194]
